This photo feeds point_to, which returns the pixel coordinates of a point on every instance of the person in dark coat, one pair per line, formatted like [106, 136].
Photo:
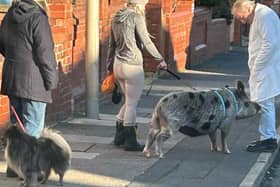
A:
[30, 68]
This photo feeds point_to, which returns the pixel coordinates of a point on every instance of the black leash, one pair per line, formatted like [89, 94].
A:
[171, 73]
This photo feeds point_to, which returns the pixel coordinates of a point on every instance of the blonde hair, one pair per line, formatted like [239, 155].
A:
[139, 8]
[241, 5]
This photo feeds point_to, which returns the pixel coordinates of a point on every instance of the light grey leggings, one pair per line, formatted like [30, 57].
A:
[131, 80]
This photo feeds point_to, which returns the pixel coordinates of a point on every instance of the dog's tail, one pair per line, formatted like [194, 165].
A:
[57, 139]
[56, 153]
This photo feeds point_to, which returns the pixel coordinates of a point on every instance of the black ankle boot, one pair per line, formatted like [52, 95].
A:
[119, 135]
[130, 143]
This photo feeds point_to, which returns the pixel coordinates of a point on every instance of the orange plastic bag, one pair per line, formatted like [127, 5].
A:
[108, 84]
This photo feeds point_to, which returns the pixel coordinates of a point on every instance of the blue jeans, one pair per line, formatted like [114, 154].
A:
[267, 124]
[31, 113]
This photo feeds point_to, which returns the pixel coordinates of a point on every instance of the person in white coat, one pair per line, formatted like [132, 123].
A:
[264, 66]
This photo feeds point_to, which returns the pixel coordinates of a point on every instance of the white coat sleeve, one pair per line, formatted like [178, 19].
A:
[267, 31]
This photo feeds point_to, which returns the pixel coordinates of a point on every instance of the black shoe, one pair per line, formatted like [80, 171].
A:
[268, 145]
[10, 173]
[119, 135]
[131, 143]
[254, 142]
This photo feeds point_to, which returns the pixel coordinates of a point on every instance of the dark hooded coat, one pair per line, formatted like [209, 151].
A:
[30, 68]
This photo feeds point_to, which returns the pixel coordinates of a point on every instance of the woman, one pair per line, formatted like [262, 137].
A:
[128, 35]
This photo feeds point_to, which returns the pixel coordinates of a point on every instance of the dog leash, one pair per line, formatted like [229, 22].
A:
[234, 99]
[178, 78]
[222, 102]
[171, 73]
[153, 80]
[18, 119]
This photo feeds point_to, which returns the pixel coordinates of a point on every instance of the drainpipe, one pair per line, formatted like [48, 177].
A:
[92, 59]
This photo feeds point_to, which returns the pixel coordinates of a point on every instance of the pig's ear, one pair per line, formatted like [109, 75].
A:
[240, 87]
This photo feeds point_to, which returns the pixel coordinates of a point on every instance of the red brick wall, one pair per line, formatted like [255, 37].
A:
[237, 32]
[153, 18]
[69, 28]
[107, 11]
[179, 18]
[208, 37]
[218, 38]
[61, 20]
[4, 111]
[4, 101]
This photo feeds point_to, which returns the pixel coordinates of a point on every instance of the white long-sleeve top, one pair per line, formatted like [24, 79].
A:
[264, 54]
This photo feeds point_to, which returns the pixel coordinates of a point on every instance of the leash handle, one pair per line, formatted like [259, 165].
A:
[174, 75]
[18, 119]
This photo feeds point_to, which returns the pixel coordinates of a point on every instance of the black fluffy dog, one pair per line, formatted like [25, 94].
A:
[31, 158]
